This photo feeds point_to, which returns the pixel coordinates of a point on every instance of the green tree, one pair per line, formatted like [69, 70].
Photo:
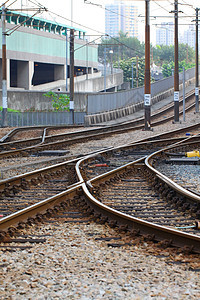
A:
[123, 47]
[126, 66]
[186, 53]
[168, 67]
[165, 54]
[60, 102]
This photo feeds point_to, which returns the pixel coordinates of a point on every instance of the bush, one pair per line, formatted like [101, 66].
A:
[9, 109]
[60, 102]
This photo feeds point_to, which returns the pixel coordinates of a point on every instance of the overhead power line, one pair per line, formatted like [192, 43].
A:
[4, 3]
[103, 34]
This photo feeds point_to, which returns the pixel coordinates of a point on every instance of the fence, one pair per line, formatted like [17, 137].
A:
[108, 70]
[20, 119]
[102, 102]
[85, 103]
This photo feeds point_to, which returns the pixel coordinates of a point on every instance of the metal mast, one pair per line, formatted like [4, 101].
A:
[197, 64]
[147, 88]
[4, 68]
[176, 71]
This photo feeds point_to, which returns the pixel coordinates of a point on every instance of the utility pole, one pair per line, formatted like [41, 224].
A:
[147, 79]
[66, 61]
[183, 94]
[4, 68]
[71, 103]
[87, 60]
[71, 13]
[105, 70]
[118, 55]
[176, 71]
[132, 75]
[197, 63]
[187, 59]
[111, 61]
[137, 71]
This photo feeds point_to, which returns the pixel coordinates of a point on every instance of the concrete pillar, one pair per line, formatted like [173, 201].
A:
[25, 70]
[8, 73]
[65, 68]
[59, 72]
[0, 73]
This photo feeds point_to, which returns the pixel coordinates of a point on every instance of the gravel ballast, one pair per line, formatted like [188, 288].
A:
[71, 264]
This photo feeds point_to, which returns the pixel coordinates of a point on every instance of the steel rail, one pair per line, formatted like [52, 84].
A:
[41, 146]
[137, 144]
[159, 233]
[9, 183]
[104, 131]
[162, 111]
[38, 208]
[179, 189]
[16, 130]
[176, 238]
[80, 133]
[39, 127]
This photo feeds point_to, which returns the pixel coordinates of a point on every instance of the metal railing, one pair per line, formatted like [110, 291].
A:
[20, 119]
[102, 102]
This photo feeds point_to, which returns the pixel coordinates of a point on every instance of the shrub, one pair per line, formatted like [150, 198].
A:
[60, 102]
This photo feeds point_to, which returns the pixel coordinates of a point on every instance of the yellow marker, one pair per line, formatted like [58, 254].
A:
[194, 153]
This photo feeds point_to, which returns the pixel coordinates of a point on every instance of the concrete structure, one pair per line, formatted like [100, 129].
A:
[165, 34]
[121, 16]
[92, 103]
[36, 52]
[36, 101]
[90, 83]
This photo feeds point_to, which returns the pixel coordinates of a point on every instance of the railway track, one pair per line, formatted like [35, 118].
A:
[46, 141]
[66, 143]
[175, 165]
[109, 176]
[144, 201]
[115, 201]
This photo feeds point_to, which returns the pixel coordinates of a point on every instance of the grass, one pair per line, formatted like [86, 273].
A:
[9, 109]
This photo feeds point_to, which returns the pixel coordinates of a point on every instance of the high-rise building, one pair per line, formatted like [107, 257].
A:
[165, 34]
[121, 16]
[189, 36]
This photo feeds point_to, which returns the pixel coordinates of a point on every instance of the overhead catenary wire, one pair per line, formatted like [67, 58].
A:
[88, 43]
[103, 34]
[13, 29]
[35, 2]
[11, 3]
[160, 6]
[4, 3]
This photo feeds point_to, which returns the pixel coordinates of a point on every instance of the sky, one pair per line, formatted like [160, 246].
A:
[90, 14]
